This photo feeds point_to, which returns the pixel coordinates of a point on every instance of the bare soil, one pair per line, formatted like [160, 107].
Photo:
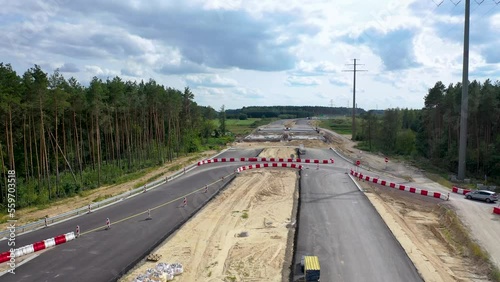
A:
[241, 235]
[415, 222]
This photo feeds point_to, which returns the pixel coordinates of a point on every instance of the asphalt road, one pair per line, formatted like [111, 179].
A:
[105, 255]
[301, 126]
[338, 224]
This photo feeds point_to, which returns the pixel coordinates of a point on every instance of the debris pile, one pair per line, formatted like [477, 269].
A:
[163, 272]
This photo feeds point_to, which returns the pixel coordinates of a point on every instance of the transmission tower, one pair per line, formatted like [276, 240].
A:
[355, 70]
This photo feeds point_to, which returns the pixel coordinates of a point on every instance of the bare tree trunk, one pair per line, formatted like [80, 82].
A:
[38, 160]
[56, 152]
[98, 141]
[117, 139]
[13, 164]
[3, 172]
[25, 147]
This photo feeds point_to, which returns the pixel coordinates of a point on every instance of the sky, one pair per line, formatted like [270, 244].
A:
[240, 53]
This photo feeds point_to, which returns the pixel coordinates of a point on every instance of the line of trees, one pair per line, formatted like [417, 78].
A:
[286, 112]
[62, 138]
[433, 132]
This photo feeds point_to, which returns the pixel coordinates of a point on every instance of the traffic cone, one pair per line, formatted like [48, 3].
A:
[108, 223]
[77, 232]
[184, 202]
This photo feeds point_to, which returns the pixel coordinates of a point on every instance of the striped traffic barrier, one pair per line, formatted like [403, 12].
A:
[402, 187]
[38, 246]
[254, 159]
[461, 191]
[266, 165]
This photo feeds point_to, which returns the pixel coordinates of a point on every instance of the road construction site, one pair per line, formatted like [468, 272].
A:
[257, 224]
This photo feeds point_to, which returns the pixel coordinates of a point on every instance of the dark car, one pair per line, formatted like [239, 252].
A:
[483, 195]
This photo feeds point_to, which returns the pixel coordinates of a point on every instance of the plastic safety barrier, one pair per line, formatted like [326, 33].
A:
[286, 165]
[496, 210]
[401, 187]
[261, 160]
[38, 246]
[457, 190]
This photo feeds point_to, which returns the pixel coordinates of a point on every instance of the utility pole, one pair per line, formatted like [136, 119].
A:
[354, 97]
[465, 97]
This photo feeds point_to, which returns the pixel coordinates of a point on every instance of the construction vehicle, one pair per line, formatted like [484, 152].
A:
[310, 266]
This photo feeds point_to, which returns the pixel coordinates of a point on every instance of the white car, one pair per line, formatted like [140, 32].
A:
[483, 195]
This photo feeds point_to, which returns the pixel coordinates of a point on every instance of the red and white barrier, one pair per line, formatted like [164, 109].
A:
[286, 165]
[281, 160]
[38, 246]
[401, 187]
[461, 191]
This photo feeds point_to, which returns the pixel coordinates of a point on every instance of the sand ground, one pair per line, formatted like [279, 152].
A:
[241, 235]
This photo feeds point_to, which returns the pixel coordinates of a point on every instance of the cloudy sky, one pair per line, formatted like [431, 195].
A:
[258, 52]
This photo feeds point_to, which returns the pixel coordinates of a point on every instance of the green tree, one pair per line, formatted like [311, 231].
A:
[222, 120]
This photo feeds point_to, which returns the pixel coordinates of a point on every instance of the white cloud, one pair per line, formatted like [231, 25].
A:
[245, 53]
[210, 80]
[302, 81]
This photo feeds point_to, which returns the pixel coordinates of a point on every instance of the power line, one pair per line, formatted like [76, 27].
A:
[355, 70]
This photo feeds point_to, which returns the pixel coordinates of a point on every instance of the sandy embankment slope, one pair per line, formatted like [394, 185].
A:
[258, 202]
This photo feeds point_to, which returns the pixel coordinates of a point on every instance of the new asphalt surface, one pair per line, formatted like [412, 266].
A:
[338, 224]
[105, 255]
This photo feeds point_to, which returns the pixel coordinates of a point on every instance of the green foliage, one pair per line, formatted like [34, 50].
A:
[244, 215]
[238, 127]
[64, 139]
[433, 132]
[405, 142]
[286, 116]
[222, 120]
[243, 117]
[341, 125]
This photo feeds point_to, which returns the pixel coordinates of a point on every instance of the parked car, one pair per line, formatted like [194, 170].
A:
[483, 195]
